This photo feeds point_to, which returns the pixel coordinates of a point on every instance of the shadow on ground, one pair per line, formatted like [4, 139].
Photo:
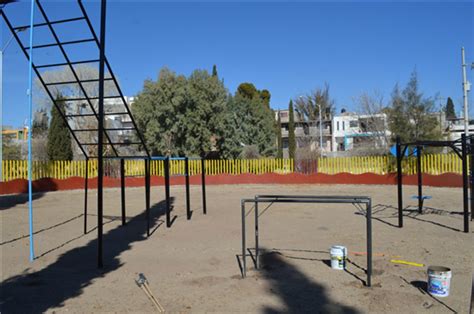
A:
[298, 293]
[388, 214]
[9, 201]
[74, 270]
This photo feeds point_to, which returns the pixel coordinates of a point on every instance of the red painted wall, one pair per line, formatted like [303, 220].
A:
[44, 185]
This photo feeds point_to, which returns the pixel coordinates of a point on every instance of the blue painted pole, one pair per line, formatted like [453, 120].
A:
[30, 129]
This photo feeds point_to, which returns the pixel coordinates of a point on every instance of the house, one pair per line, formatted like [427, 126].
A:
[307, 133]
[351, 131]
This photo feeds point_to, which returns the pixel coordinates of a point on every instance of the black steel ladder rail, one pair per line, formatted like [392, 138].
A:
[9, 25]
[53, 32]
[91, 28]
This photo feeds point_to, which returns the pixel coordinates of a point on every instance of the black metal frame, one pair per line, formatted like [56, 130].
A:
[103, 64]
[463, 147]
[99, 115]
[331, 199]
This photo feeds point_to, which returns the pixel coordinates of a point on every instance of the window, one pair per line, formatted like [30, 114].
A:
[283, 114]
[343, 125]
[353, 124]
[338, 125]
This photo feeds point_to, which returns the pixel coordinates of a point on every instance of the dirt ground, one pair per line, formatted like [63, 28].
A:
[193, 266]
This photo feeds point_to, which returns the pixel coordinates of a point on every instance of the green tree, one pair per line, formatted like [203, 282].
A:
[179, 115]
[247, 90]
[279, 138]
[250, 128]
[411, 115]
[10, 150]
[214, 71]
[59, 139]
[265, 96]
[291, 132]
[450, 112]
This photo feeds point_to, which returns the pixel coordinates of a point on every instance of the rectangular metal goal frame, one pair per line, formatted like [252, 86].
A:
[331, 199]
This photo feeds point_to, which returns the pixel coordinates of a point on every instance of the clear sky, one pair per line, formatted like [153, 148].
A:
[288, 48]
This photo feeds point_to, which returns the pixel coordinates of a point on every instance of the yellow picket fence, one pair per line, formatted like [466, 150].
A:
[431, 164]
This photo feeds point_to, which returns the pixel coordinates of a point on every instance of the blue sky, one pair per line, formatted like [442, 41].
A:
[288, 48]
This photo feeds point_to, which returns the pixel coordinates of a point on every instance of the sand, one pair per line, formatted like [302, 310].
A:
[193, 266]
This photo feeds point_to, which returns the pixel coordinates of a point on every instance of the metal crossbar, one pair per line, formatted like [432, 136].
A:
[76, 80]
[324, 199]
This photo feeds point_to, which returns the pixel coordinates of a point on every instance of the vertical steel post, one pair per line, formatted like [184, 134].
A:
[369, 243]
[122, 187]
[167, 191]
[465, 183]
[86, 183]
[420, 179]
[188, 197]
[203, 183]
[100, 167]
[399, 182]
[30, 129]
[256, 233]
[147, 195]
[471, 173]
[244, 249]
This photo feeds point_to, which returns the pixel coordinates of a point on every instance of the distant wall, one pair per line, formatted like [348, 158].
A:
[18, 186]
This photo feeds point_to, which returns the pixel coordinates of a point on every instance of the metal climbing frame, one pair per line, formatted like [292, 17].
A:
[81, 113]
[332, 199]
[463, 147]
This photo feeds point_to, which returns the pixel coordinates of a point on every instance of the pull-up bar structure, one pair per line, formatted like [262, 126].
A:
[100, 141]
[331, 199]
[463, 147]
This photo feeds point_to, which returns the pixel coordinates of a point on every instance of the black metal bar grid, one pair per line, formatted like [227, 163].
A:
[58, 43]
[331, 199]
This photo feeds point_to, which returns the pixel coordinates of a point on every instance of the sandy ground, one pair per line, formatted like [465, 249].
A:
[193, 266]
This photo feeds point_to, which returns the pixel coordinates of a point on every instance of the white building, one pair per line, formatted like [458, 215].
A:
[351, 130]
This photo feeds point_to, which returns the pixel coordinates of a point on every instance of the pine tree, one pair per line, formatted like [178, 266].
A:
[214, 71]
[279, 138]
[411, 116]
[291, 133]
[450, 112]
[59, 139]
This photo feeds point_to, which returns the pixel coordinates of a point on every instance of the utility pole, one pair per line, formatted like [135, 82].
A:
[320, 132]
[466, 86]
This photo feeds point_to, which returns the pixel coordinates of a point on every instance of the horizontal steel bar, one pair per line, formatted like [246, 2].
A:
[90, 98]
[77, 82]
[65, 63]
[94, 115]
[51, 23]
[308, 201]
[127, 157]
[72, 42]
[312, 196]
[96, 130]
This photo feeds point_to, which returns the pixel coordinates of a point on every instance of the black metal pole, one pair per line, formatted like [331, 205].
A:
[203, 183]
[369, 243]
[188, 197]
[122, 186]
[420, 179]
[167, 191]
[147, 195]
[86, 184]
[100, 167]
[471, 174]
[465, 183]
[256, 232]
[244, 249]
[399, 182]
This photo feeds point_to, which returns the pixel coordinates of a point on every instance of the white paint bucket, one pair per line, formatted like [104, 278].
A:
[439, 280]
[338, 257]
